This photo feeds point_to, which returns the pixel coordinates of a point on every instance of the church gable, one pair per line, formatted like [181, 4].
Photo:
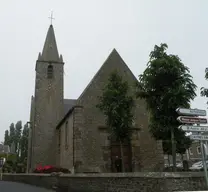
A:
[112, 63]
[94, 141]
[89, 98]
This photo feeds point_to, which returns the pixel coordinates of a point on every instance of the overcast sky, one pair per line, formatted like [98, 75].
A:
[86, 32]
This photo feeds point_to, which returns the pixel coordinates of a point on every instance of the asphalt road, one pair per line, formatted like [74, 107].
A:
[20, 187]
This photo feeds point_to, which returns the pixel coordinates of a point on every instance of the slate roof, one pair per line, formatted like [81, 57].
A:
[50, 50]
[68, 104]
[4, 149]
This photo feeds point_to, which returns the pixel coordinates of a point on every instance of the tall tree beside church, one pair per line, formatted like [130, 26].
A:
[6, 137]
[116, 104]
[204, 91]
[166, 84]
[24, 142]
[18, 132]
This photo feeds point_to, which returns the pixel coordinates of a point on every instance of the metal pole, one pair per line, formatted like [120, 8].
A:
[204, 160]
[1, 174]
[1, 167]
[206, 146]
[204, 163]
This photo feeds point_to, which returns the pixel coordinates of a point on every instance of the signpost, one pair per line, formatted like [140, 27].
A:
[191, 117]
[191, 128]
[192, 120]
[191, 112]
[199, 137]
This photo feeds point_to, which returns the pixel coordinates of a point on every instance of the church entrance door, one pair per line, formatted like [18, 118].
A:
[116, 156]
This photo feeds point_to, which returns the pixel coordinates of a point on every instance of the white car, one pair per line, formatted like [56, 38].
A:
[179, 165]
[198, 165]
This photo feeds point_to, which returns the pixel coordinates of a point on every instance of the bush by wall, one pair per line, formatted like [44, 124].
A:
[50, 169]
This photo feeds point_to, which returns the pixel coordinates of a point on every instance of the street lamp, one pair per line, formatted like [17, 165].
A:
[29, 154]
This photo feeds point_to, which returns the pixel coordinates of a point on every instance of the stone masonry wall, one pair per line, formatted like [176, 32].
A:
[71, 154]
[48, 112]
[147, 153]
[78, 137]
[66, 143]
[127, 182]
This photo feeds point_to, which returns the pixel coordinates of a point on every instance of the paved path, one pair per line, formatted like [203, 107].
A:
[20, 187]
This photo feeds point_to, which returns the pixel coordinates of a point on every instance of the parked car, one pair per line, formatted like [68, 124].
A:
[198, 166]
[179, 165]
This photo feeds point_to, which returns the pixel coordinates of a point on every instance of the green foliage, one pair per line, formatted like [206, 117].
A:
[24, 142]
[18, 133]
[117, 104]
[9, 157]
[18, 142]
[204, 91]
[6, 138]
[12, 134]
[9, 165]
[182, 142]
[166, 85]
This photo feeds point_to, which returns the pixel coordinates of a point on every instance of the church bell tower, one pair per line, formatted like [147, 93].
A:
[47, 104]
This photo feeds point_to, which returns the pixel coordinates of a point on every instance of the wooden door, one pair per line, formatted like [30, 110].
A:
[127, 156]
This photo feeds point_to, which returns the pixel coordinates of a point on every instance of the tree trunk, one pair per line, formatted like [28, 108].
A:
[122, 156]
[168, 160]
[173, 149]
[182, 158]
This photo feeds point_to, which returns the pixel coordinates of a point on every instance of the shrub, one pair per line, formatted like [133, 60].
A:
[170, 169]
[50, 169]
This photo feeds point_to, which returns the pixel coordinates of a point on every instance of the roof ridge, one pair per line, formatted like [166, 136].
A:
[114, 51]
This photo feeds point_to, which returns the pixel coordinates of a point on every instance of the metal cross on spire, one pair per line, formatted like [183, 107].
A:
[51, 17]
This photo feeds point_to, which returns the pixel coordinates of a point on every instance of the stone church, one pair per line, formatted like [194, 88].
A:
[72, 133]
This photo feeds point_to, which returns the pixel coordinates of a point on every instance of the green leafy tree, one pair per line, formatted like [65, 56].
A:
[18, 132]
[24, 142]
[204, 91]
[6, 137]
[166, 85]
[182, 143]
[116, 104]
[167, 147]
[11, 134]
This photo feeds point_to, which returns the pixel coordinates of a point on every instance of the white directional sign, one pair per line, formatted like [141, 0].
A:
[190, 128]
[192, 120]
[191, 112]
[199, 137]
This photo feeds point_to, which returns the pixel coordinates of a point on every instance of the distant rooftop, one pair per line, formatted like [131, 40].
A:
[4, 148]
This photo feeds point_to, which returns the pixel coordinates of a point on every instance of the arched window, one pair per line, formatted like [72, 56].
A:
[50, 72]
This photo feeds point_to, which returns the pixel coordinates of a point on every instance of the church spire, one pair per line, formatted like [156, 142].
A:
[50, 50]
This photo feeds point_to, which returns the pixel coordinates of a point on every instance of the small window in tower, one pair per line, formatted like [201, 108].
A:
[50, 72]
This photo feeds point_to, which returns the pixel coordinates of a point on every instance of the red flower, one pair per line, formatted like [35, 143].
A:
[39, 168]
[47, 167]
